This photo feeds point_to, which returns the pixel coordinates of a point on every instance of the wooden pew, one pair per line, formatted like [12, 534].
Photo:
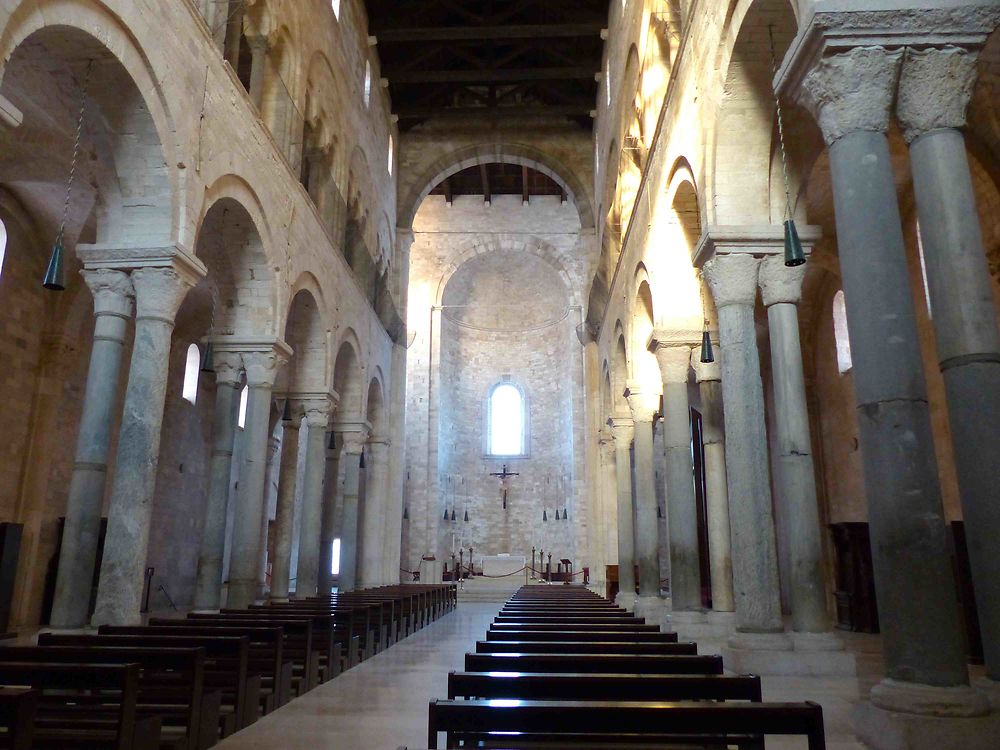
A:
[579, 635]
[266, 657]
[576, 626]
[58, 685]
[17, 717]
[171, 686]
[568, 723]
[540, 686]
[584, 647]
[226, 662]
[594, 663]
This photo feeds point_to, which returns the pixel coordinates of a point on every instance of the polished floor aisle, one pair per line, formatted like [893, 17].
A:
[382, 703]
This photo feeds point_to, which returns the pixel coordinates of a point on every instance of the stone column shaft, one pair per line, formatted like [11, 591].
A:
[682, 510]
[782, 288]
[647, 537]
[373, 547]
[918, 615]
[208, 588]
[622, 431]
[733, 279]
[935, 89]
[113, 308]
[331, 490]
[284, 516]
[258, 68]
[351, 459]
[709, 377]
[159, 293]
[261, 368]
[307, 578]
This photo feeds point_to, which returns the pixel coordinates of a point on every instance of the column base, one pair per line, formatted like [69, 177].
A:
[926, 718]
[655, 610]
[799, 654]
[704, 625]
[625, 600]
[989, 688]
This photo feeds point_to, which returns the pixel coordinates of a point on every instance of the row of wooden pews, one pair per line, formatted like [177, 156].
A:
[563, 668]
[184, 684]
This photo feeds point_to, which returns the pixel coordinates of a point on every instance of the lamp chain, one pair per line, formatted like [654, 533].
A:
[781, 128]
[76, 151]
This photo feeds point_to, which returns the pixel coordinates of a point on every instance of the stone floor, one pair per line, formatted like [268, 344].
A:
[382, 704]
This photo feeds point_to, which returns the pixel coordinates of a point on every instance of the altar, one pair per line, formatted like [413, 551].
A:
[502, 565]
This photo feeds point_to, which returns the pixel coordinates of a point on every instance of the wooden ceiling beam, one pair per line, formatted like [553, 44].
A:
[511, 75]
[477, 33]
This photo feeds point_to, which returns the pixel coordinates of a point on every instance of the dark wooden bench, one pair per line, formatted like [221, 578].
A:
[613, 627]
[570, 724]
[17, 717]
[60, 685]
[594, 663]
[171, 687]
[584, 647]
[580, 635]
[540, 686]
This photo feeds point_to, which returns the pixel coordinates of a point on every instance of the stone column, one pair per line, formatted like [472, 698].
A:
[112, 292]
[270, 485]
[850, 94]
[208, 588]
[709, 377]
[284, 516]
[158, 295]
[733, 280]
[373, 547]
[623, 431]
[234, 30]
[258, 67]
[682, 511]
[607, 510]
[647, 541]
[354, 438]
[934, 93]
[331, 493]
[317, 419]
[781, 289]
[261, 368]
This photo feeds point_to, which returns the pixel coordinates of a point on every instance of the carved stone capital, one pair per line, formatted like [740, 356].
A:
[733, 279]
[228, 366]
[779, 283]
[262, 367]
[707, 371]
[112, 290]
[852, 91]
[353, 436]
[317, 413]
[674, 361]
[622, 432]
[159, 293]
[935, 87]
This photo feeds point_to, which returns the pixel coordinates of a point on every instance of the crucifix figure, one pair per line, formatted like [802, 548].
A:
[504, 477]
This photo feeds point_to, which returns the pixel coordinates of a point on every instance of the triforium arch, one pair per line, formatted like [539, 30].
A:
[489, 153]
[348, 378]
[305, 333]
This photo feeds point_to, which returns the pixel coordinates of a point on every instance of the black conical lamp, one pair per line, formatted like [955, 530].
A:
[565, 514]
[545, 515]
[286, 413]
[794, 253]
[707, 352]
[445, 514]
[208, 359]
[452, 514]
[466, 515]
[55, 277]
[406, 512]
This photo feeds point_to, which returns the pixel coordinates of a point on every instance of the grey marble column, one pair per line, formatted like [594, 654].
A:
[270, 485]
[261, 368]
[258, 68]
[733, 280]
[647, 537]
[112, 292]
[373, 549]
[158, 295]
[709, 377]
[331, 496]
[622, 430]
[682, 510]
[934, 92]
[354, 445]
[208, 587]
[850, 95]
[284, 516]
[781, 289]
[317, 420]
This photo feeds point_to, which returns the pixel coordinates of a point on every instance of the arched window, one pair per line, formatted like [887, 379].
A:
[241, 420]
[335, 558]
[368, 83]
[391, 146]
[844, 361]
[3, 244]
[923, 271]
[335, 4]
[607, 80]
[507, 421]
[191, 371]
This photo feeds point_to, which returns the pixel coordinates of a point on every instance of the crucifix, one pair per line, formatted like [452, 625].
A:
[504, 477]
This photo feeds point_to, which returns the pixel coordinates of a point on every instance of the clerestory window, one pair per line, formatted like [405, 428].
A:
[192, 368]
[844, 359]
[507, 421]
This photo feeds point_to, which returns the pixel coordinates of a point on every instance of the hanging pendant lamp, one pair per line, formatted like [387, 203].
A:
[545, 515]
[286, 413]
[452, 514]
[707, 352]
[406, 512]
[794, 254]
[565, 514]
[207, 359]
[55, 277]
[445, 514]
[466, 515]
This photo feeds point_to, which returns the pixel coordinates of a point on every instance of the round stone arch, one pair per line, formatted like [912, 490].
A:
[497, 243]
[375, 406]
[619, 369]
[490, 153]
[306, 334]
[348, 378]
[122, 75]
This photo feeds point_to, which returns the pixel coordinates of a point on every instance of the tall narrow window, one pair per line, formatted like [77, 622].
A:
[368, 83]
[335, 558]
[923, 271]
[844, 360]
[3, 244]
[607, 80]
[335, 4]
[241, 421]
[191, 370]
[506, 421]
[391, 147]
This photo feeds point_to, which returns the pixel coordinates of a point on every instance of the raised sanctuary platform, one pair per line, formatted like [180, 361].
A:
[502, 565]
